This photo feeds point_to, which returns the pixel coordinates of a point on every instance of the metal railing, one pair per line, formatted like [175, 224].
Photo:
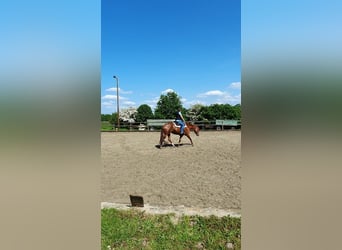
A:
[156, 124]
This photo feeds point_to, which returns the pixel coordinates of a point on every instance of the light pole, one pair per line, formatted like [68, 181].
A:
[117, 101]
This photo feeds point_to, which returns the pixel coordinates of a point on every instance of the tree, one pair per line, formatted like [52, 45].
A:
[194, 112]
[220, 111]
[206, 113]
[106, 117]
[167, 106]
[144, 112]
[113, 119]
[127, 115]
[237, 111]
[217, 111]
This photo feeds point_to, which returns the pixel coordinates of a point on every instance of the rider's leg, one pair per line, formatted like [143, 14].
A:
[182, 128]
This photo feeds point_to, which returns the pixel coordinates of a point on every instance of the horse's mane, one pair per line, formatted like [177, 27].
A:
[190, 124]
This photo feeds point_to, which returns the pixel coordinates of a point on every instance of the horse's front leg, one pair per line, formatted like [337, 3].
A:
[162, 138]
[190, 139]
[169, 139]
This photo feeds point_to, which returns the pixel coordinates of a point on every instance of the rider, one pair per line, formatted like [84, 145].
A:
[180, 120]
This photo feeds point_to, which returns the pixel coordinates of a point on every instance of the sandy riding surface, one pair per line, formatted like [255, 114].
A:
[207, 175]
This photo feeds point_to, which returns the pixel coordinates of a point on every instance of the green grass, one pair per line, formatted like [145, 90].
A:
[106, 126]
[136, 230]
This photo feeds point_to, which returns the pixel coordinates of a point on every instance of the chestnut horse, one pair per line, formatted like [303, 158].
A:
[171, 127]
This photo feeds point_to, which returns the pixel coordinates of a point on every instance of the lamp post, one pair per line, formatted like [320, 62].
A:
[117, 102]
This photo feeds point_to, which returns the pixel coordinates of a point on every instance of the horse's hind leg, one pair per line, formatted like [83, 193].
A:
[180, 138]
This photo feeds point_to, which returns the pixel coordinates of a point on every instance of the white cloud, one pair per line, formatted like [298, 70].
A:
[220, 97]
[121, 91]
[152, 102]
[109, 97]
[212, 93]
[194, 102]
[112, 89]
[128, 103]
[167, 91]
[231, 99]
[113, 97]
[108, 104]
[235, 85]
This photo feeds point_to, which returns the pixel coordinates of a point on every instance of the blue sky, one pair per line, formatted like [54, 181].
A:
[191, 47]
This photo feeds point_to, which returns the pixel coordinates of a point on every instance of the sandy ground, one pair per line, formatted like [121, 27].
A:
[204, 176]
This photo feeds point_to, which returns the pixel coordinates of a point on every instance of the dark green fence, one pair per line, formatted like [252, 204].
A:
[156, 124]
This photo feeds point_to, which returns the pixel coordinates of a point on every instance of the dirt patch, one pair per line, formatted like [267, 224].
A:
[206, 175]
[178, 211]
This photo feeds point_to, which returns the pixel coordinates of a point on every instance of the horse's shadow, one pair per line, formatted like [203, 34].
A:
[170, 145]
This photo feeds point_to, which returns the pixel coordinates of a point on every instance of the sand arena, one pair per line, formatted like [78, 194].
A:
[207, 175]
